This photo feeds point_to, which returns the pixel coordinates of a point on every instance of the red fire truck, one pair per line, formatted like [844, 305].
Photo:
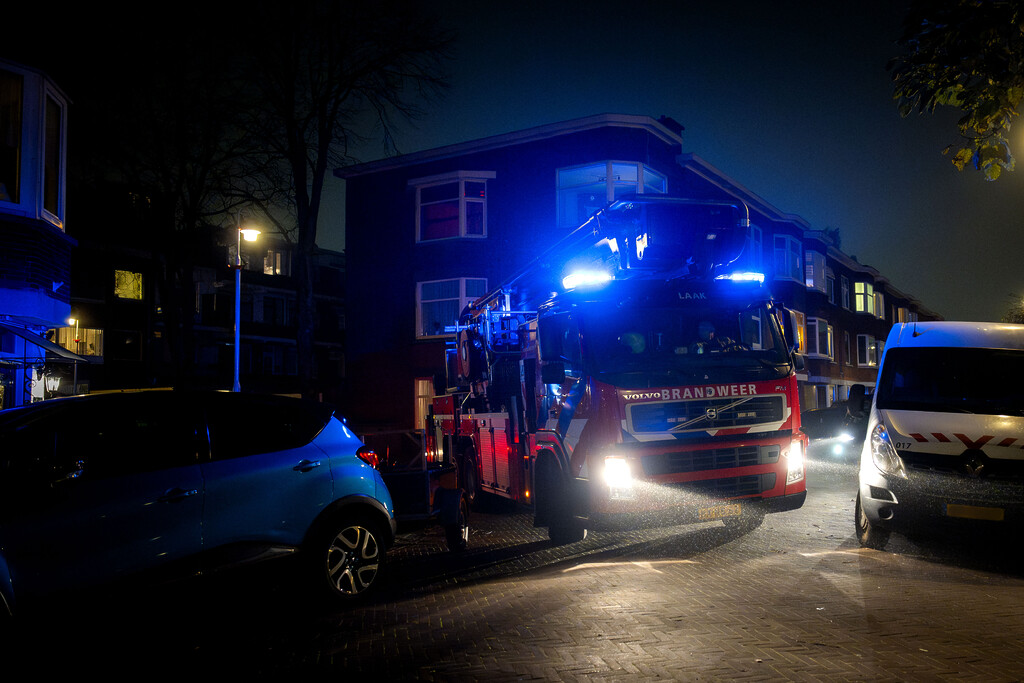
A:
[629, 376]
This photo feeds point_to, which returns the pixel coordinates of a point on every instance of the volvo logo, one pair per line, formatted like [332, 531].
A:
[711, 413]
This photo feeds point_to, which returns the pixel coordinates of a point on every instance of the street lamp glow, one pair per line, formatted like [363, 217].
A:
[250, 235]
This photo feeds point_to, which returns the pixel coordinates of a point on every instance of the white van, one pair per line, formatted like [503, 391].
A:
[945, 436]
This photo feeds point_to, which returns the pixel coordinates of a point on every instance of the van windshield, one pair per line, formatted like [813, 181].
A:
[952, 380]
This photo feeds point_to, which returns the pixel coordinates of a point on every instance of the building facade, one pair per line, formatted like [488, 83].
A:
[427, 233]
[35, 251]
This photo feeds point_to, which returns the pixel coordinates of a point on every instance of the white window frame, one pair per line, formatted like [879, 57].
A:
[816, 329]
[814, 271]
[459, 178]
[880, 305]
[464, 300]
[648, 181]
[845, 291]
[787, 252]
[867, 351]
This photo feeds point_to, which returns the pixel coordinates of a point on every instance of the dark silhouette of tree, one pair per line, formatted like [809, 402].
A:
[329, 75]
[967, 54]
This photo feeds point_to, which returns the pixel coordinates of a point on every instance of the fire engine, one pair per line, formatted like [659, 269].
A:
[629, 376]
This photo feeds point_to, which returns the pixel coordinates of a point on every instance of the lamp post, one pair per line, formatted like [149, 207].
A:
[250, 235]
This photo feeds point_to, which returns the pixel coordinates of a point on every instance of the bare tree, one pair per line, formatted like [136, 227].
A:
[329, 75]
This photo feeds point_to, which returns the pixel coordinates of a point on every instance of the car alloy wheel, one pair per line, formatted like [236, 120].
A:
[353, 560]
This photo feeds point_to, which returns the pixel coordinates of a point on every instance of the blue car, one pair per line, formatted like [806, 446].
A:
[96, 488]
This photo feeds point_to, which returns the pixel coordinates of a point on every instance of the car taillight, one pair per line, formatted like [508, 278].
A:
[369, 456]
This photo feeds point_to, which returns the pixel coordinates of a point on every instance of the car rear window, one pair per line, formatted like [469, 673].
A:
[244, 424]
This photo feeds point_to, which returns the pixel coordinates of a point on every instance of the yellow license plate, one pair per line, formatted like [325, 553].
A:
[719, 511]
[974, 512]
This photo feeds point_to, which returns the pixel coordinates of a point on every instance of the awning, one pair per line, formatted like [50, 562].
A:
[45, 344]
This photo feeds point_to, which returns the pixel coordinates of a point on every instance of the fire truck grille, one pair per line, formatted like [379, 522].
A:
[712, 459]
[704, 414]
[730, 487]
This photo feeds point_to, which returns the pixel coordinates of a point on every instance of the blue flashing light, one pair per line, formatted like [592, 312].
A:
[586, 278]
[743, 277]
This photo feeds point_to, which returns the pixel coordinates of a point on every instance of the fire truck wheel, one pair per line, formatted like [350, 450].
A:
[348, 557]
[468, 475]
[457, 535]
[555, 510]
[869, 535]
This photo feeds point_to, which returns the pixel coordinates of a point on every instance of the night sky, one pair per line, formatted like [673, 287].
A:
[790, 99]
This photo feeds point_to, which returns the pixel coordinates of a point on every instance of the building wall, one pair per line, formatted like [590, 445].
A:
[385, 262]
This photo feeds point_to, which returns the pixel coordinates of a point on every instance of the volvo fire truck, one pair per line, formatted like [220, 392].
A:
[629, 376]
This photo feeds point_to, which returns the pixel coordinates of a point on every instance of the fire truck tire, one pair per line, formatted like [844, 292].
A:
[869, 535]
[347, 557]
[467, 475]
[457, 535]
[556, 512]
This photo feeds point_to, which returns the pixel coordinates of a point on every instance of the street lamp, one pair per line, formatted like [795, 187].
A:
[250, 235]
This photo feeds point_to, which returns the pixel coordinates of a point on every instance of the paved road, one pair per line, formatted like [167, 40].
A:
[796, 599]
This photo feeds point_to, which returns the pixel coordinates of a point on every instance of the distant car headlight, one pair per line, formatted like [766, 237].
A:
[795, 460]
[884, 455]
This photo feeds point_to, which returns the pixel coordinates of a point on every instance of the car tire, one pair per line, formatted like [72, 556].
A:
[348, 557]
[869, 535]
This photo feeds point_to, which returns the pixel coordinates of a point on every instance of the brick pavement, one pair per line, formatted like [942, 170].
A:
[795, 600]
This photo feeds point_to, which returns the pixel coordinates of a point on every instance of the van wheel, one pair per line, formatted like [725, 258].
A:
[467, 474]
[870, 535]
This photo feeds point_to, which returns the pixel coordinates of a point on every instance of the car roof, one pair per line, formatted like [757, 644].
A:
[956, 334]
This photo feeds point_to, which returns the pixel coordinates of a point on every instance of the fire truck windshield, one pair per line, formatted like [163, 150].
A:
[629, 339]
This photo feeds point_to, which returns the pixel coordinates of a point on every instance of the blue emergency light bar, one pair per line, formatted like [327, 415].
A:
[742, 277]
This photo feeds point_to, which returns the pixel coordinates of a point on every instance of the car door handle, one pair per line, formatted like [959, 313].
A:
[176, 495]
[306, 465]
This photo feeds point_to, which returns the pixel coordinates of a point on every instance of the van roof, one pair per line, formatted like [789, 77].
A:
[949, 333]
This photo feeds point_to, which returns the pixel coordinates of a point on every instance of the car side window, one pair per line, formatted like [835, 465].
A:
[127, 434]
[242, 424]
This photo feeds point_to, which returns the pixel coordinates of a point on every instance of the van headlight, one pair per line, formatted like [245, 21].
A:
[795, 462]
[884, 455]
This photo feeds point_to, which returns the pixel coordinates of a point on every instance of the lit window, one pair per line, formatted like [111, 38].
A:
[879, 305]
[424, 395]
[788, 258]
[127, 285]
[276, 262]
[453, 205]
[801, 336]
[582, 190]
[439, 304]
[85, 341]
[814, 271]
[864, 296]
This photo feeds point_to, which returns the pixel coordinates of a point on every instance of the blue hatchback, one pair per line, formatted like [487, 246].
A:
[95, 488]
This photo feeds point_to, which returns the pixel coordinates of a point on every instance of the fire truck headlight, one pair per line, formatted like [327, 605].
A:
[618, 476]
[795, 460]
